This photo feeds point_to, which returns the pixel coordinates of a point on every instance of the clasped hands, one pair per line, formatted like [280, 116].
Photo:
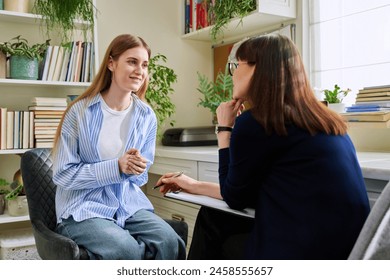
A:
[132, 162]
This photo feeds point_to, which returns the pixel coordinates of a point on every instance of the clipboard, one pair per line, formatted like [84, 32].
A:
[210, 202]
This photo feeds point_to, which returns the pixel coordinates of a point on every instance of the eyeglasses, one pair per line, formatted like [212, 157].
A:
[234, 65]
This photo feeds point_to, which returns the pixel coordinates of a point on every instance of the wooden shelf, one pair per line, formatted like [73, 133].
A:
[6, 218]
[13, 151]
[16, 82]
[26, 18]
[268, 14]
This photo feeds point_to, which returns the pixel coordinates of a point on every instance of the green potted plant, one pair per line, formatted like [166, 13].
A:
[61, 15]
[334, 97]
[3, 193]
[160, 88]
[14, 195]
[222, 11]
[24, 58]
[215, 92]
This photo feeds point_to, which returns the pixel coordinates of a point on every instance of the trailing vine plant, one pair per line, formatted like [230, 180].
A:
[63, 13]
[222, 11]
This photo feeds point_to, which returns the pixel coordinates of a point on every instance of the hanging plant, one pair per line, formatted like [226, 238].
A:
[62, 14]
[222, 11]
[160, 88]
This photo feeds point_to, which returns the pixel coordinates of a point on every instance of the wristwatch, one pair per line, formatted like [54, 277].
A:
[222, 128]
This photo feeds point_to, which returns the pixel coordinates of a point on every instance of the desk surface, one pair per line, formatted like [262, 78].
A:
[374, 165]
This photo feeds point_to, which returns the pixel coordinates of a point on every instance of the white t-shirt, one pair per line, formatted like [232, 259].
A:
[114, 132]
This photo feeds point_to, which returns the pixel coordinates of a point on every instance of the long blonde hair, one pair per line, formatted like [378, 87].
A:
[102, 81]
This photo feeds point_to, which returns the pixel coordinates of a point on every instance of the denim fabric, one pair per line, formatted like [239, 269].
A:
[145, 236]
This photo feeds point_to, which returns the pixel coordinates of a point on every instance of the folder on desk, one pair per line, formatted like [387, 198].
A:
[210, 202]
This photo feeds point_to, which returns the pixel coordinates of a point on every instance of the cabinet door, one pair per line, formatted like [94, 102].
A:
[165, 165]
[208, 172]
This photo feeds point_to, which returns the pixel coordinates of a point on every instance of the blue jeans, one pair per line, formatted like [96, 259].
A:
[145, 236]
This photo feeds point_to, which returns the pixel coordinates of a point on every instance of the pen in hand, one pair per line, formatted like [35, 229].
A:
[177, 175]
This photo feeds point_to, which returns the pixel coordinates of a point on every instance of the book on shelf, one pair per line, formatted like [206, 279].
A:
[16, 129]
[44, 136]
[10, 129]
[379, 103]
[3, 128]
[53, 62]
[45, 131]
[92, 62]
[47, 117]
[46, 63]
[65, 64]
[58, 65]
[375, 89]
[373, 94]
[77, 62]
[72, 58]
[49, 112]
[46, 108]
[47, 144]
[44, 121]
[378, 98]
[31, 131]
[26, 130]
[49, 101]
[378, 116]
[358, 124]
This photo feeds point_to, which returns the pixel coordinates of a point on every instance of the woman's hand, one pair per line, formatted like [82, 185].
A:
[132, 162]
[170, 183]
[228, 111]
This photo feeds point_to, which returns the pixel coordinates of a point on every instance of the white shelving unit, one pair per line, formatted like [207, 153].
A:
[23, 21]
[269, 13]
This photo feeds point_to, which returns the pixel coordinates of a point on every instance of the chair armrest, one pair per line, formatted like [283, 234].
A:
[53, 246]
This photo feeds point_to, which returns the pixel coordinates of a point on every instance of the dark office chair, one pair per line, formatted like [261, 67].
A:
[36, 167]
[373, 242]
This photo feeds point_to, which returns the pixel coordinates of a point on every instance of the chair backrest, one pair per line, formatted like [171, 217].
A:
[373, 242]
[36, 167]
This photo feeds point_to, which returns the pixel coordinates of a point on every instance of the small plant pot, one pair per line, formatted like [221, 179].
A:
[337, 107]
[18, 206]
[20, 6]
[22, 67]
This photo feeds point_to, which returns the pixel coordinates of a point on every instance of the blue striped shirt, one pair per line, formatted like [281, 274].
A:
[88, 187]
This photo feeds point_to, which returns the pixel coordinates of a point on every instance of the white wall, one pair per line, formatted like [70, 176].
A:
[159, 23]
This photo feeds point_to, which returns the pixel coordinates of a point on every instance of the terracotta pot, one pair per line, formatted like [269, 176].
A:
[20, 6]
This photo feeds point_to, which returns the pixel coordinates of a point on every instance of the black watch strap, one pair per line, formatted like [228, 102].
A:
[223, 128]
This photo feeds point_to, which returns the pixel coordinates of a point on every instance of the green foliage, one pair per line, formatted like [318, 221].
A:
[224, 10]
[336, 95]
[160, 88]
[11, 190]
[215, 92]
[63, 13]
[20, 46]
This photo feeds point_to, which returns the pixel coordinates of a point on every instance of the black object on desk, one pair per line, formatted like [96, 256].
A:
[192, 136]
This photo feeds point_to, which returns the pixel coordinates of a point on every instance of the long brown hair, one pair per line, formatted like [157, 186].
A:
[280, 92]
[102, 81]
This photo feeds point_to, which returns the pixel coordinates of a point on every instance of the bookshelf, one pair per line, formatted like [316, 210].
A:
[268, 14]
[16, 94]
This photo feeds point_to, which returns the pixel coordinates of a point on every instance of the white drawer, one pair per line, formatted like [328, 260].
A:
[165, 165]
[208, 172]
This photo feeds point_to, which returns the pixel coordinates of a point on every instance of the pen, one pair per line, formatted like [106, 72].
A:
[177, 175]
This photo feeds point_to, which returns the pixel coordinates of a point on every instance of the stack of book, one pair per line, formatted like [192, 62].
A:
[377, 95]
[48, 112]
[368, 116]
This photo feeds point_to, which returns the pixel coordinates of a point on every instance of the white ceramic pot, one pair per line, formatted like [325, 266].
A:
[18, 206]
[20, 6]
[337, 107]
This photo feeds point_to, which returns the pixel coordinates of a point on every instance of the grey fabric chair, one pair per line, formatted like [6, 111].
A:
[36, 167]
[373, 242]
